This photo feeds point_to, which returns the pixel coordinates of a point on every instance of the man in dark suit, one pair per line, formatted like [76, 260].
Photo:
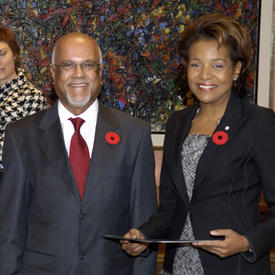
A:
[53, 214]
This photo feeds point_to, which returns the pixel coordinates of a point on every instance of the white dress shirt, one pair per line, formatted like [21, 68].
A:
[87, 130]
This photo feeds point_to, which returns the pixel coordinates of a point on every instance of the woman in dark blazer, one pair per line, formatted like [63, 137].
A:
[219, 155]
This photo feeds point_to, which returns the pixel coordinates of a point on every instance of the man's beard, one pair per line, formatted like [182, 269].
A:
[78, 104]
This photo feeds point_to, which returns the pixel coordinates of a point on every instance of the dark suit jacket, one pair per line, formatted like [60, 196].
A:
[227, 187]
[45, 228]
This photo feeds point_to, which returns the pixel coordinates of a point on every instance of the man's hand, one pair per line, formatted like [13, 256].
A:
[233, 243]
[133, 248]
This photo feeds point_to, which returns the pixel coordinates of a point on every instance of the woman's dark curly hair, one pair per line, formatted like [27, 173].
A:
[228, 32]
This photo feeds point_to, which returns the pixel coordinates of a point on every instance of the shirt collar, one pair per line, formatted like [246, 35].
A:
[88, 115]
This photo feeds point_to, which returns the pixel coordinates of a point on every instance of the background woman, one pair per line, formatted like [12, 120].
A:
[218, 156]
[18, 97]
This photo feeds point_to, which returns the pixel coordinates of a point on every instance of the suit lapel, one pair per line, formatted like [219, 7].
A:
[52, 144]
[230, 123]
[174, 148]
[103, 152]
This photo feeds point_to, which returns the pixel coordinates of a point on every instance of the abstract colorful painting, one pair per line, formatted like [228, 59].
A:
[138, 39]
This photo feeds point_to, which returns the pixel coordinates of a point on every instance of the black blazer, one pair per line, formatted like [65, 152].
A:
[227, 187]
[45, 228]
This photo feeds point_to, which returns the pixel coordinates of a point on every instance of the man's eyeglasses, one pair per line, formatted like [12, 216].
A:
[70, 66]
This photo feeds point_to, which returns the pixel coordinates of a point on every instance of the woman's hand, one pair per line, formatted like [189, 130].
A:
[233, 243]
[133, 248]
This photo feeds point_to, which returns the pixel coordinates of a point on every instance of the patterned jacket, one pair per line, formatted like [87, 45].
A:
[18, 98]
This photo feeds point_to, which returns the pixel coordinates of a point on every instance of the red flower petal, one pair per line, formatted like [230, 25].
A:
[220, 137]
[112, 138]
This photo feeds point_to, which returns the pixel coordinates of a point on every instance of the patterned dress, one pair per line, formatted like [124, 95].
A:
[187, 260]
[18, 98]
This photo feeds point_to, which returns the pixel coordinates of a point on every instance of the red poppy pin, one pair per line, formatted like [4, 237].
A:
[112, 138]
[220, 137]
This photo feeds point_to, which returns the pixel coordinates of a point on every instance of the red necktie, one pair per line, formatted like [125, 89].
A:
[79, 156]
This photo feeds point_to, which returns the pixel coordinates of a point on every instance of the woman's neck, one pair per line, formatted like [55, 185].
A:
[210, 112]
[4, 81]
[207, 118]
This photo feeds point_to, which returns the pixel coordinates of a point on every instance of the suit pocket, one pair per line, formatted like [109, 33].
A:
[38, 261]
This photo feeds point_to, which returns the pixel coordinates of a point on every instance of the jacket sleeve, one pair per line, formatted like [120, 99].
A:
[143, 197]
[14, 197]
[262, 235]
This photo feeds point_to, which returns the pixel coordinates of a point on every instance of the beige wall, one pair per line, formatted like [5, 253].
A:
[264, 91]
[272, 80]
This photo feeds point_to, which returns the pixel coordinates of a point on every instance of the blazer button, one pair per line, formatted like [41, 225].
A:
[82, 216]
[83, 257]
